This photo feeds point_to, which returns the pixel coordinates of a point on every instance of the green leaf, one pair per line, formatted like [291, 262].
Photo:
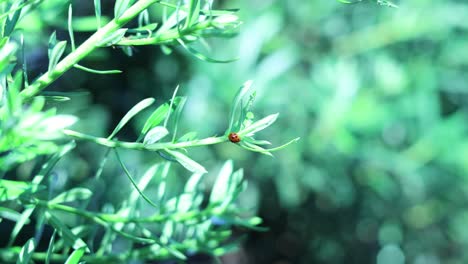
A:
[70, 27]
[155, 134]
[256, 142]
[55, 98]
[235, 116]
[10, 214]
[192, 183]
[255, 148]
[221, 186]
[146, 29]
[25, 216]
[112, 38]
[11, 190]
[69, 238]
[51, 128]
[88, 23]
[50, 249]
[56, 54]
[26, 252]
[226, 189]
[135, 110]
[97, 11]
[201, 56]
[225, 249]
[193, 13]
[72, 195]
[178, 111]
[284, 145]
[167, 231]
[75, 257]
[187, 162]
[226, 19]
[181, 203]
[7, 52]
[135, 185]
[188, 136]
[259, 125]
[11, 21]
[386, 3]
[96, 71]
[171, 105]
[166, 50]
[143, 18]
[163, 181]
[142, 184]
[52, 43]
[120, 7]
[14, 102]
[175, 252]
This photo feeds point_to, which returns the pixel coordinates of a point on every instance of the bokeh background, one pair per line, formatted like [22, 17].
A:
[378, 96]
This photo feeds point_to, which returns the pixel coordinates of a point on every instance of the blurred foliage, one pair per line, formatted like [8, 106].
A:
[379, 96]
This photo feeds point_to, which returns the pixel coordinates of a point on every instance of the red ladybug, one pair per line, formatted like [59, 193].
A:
[234, 138]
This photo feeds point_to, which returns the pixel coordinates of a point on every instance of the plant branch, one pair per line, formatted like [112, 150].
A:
[140, 146]
[166, 37]
[85, 48]
[105, 219]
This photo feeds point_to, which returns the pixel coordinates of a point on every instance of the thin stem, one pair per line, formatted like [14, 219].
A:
[106, 219]
[7, 254]
[85, 48]
[165, 38]
[140, 146]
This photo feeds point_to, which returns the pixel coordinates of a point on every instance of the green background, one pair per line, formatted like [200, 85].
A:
[378, 96]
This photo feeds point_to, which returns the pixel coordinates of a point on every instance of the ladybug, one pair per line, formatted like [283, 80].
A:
[234, 138]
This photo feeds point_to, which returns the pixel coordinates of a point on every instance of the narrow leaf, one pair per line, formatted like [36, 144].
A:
[69, 238]
[234, 118]
[192, 183]
[170, 105]
[26, 252]
[201, 56]
[187, 162]
[193, 13]
[255, 148]
[10, 190]
[73, 195]
[10, 214]
[259, 125]
[120, 7]
[96, 71]
[177, 113]
[135, 185]
[11, 21]
[50, 249]
[52, 43]
[221, 186]
[75, 257]
[112, 38]
[24, 219]
[142, 184]
[156, 118]
[135, 110]
[97, 11]
[56, 54]
[155, 134]
[70, 27]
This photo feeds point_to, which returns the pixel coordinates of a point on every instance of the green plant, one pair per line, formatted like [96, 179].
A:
[380, 2]
[165, 224]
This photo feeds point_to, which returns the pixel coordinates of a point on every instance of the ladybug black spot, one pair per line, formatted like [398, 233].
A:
[234, 138]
